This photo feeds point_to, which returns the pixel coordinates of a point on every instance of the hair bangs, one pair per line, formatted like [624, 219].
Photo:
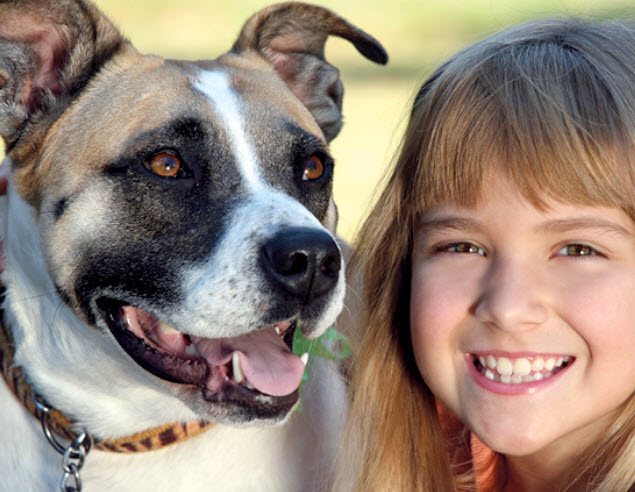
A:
[540, 112]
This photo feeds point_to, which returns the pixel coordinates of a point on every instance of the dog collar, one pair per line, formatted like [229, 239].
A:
[53, 420]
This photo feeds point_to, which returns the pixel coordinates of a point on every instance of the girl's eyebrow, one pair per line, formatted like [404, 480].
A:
[456, 223]
[579, 223]
[450, 222]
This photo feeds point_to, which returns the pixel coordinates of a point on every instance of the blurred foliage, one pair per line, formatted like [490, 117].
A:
[418, 35]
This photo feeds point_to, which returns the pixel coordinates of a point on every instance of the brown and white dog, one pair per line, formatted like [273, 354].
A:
[169, 225]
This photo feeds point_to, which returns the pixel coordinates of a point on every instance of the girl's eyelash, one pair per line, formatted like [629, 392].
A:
[460, 247]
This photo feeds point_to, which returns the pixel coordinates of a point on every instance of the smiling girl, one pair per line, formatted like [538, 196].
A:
[499, 274]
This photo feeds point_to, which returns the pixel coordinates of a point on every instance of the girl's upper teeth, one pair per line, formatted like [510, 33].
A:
[538, 364]
[520, 369]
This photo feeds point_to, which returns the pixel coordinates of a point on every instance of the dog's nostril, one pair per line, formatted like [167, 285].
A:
[331, 265]
[290, 264]
[305, 262]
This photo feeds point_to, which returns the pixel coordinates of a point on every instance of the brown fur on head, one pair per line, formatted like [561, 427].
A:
[51, 50]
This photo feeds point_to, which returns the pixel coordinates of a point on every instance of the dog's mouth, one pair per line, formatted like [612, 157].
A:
[241, 369]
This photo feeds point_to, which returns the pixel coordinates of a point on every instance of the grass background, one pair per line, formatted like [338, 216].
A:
[418, 36]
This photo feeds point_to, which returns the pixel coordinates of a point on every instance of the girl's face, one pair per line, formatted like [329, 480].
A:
[522, 321]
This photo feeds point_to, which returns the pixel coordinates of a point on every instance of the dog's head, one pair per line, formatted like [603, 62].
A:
[184, 208]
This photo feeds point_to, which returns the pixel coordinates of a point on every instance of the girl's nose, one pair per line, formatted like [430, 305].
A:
[512, 297]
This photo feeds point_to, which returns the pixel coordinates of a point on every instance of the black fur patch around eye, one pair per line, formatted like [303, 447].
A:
[59, 208]
[285, 163]
[187, 137]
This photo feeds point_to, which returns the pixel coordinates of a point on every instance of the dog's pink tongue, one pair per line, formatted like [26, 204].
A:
[265, 360]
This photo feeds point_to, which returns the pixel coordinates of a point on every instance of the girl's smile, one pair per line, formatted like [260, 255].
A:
[514, 375]
[522, 318]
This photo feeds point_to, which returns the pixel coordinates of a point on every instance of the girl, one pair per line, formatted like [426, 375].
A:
[499, 274]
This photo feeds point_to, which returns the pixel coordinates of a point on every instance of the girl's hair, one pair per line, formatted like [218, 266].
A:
[552, 104]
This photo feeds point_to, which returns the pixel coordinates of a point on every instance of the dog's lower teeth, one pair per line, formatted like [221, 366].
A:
[238, 375]
[305, 358]
[192, 350]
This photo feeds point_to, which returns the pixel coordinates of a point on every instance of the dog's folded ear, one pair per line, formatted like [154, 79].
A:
[291, 36]
[49, 50]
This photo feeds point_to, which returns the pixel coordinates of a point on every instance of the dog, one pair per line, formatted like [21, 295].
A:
[169, 227]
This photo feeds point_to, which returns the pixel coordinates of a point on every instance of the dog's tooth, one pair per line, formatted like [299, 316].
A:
[249, 385]
[192, 350]
[239, 377]
[305, 358]
[277, 328]
[167, 329]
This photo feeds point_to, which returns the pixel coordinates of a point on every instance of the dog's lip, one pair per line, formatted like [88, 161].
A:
[173, 356]
[148, 355]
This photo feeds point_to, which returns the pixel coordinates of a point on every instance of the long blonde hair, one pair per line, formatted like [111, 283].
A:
[552, 100]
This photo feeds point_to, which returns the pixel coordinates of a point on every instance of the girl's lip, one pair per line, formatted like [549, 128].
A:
[517, 355]
[490, 379]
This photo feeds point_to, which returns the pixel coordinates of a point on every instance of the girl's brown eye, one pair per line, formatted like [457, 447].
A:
[165, 165]
[313, 169]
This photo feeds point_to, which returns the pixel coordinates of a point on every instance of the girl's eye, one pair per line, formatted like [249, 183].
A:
[462, 248]
[165, 164]
[577, 250]
[313, 169]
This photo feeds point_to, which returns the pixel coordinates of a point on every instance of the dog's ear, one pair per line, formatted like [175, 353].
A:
[49, 50]
[291, 36]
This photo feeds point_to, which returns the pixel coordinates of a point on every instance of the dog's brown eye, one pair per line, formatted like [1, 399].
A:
[165, 165]
[313, 169]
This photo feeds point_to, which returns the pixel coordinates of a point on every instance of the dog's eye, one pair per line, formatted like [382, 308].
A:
[313, 169]
[165, 164]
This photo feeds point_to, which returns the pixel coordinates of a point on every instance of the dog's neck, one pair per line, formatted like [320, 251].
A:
[55, 349]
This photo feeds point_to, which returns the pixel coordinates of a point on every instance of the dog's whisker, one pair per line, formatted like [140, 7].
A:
[51, 295]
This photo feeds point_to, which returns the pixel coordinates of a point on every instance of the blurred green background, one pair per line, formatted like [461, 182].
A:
[418, 35]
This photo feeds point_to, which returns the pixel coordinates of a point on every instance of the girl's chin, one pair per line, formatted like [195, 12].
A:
[511, 443]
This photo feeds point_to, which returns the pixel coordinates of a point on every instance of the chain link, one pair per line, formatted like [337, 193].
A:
[73, 455]
[74, 473]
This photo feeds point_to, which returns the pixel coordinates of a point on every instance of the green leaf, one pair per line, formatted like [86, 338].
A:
[332, 345]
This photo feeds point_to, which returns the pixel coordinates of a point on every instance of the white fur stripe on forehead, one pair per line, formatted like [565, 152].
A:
[216, 86]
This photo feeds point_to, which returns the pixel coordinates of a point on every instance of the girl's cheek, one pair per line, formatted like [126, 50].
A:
[433, 314]
[442, 291]
[600, 309]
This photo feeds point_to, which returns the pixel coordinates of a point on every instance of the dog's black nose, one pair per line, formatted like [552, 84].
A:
[306, 262]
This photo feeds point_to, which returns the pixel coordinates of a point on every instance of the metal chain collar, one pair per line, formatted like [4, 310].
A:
[73, 455]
